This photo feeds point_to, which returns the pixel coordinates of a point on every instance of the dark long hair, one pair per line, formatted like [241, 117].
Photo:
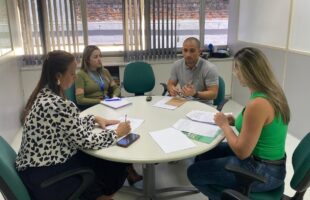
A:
[256, 70]
[55, 62]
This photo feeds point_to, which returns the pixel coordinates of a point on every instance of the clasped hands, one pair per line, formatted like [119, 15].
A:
[122, 129]
[186, 91]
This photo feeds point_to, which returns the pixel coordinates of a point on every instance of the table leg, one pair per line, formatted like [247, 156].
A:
[149, 181]
[148, 190]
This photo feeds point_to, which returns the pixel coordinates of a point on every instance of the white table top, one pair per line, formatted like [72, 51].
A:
[145, 149]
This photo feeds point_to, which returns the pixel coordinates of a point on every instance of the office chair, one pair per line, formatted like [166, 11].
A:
[220, 100]
[12, 187]
[138, 78]
[70, 93]
[299, 182]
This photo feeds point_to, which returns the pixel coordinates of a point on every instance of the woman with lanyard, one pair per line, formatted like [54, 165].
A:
[93, 84]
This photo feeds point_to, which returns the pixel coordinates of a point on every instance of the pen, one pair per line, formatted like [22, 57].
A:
[125, 117]
[113, 99]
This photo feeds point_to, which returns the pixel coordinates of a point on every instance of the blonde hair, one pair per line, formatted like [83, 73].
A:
[88, 50]
[256, 71]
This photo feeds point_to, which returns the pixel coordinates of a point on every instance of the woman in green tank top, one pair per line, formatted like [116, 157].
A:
[262, 126]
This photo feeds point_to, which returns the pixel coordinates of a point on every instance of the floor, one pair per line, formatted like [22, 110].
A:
[174, 174]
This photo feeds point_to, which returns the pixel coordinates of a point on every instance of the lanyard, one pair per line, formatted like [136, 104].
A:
[99, 80]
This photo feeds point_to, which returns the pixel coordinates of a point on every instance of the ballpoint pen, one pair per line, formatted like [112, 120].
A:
[113, 99]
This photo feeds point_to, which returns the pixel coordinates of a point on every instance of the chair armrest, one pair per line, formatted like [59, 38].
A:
[230, 194]
[165, 88]
[245, 178]
[87, 177]
[220, 106]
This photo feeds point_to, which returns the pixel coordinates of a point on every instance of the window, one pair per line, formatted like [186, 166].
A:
[5, 36]
[138, 29]
[105, 24]
[216, 22]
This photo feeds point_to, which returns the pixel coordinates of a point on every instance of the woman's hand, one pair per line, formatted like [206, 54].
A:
[231, 119]
[123, 129]
[105, 122]
[111, 122]
[221, 120]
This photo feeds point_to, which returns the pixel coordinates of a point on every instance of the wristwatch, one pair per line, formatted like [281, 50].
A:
[196, 95]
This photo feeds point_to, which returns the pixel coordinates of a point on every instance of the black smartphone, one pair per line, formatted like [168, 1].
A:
[128, 140]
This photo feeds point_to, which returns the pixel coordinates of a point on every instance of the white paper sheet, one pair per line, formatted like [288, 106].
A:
[196, 127]
[117, 103]
[134, 123]
[171, 140]
[162, 103]
[201, 116]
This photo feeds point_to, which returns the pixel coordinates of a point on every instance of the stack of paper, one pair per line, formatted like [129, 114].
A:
[116, 103]
[171, 140]
[198, 131]
[201, 116]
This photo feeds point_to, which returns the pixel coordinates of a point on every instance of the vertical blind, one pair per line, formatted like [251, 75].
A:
[50, 25]
[150, 29]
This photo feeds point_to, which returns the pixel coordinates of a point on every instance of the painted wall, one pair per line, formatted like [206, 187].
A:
[11, 98]
[291, 69]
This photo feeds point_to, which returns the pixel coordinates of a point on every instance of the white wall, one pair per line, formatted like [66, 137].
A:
[11, 98]
[291, 70]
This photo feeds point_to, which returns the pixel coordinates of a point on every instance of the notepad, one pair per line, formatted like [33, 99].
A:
[116, 104]
[173, 104]
[176, 101]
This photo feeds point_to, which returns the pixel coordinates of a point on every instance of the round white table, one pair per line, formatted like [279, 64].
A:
[145, 150]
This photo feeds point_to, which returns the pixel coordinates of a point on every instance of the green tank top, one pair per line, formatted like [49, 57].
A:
[271, 143]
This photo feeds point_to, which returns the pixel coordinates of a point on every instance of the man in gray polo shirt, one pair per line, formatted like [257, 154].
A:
[197, 77]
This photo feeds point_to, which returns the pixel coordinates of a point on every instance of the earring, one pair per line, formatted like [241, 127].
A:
[58, 82]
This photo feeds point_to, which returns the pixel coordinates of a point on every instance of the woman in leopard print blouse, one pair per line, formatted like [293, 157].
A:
[54, 132]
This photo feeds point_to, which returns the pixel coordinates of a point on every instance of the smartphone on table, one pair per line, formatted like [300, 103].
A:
[128, 140]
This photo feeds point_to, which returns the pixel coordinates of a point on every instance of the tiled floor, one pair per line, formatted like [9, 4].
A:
[168, 175]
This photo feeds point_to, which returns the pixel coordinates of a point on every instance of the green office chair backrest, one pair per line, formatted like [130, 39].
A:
[70, 93]
[301, 164]
[138, 78]
[11, 185]
[221, 92]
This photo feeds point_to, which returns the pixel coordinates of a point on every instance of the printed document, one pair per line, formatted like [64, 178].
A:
[196, 127]
[171, 140]
[201, 116]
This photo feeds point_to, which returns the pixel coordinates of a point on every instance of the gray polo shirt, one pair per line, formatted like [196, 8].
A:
[203, 75]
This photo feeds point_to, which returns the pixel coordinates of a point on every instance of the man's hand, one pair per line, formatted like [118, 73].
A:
[188, 90]
[173, 91]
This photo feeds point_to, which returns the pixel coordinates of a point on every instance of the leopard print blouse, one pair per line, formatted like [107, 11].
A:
[53, 132]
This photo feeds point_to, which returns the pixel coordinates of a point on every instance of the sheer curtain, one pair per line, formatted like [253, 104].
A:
[49, 25]
[150, 29]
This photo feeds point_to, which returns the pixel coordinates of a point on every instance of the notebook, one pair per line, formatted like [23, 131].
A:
[116, 104]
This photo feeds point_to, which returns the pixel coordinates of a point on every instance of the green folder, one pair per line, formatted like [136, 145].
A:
[201, 138]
